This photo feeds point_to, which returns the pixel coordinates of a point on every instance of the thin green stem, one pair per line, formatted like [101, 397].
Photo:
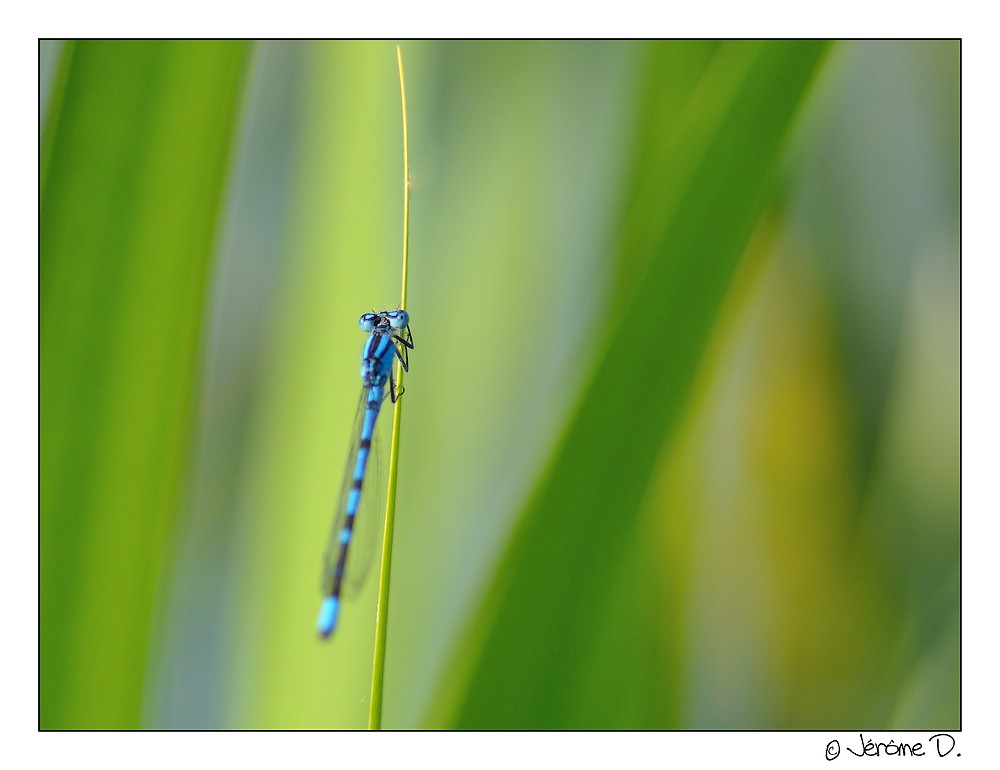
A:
[382, 611]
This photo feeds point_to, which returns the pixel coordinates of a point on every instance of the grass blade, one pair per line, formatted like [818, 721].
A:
[382, 615]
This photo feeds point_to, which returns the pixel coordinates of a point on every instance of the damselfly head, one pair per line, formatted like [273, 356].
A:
[384, 320]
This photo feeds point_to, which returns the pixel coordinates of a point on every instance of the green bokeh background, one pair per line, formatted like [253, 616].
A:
[680, 441]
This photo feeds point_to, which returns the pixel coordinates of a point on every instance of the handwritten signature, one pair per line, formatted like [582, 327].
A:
[940, 743]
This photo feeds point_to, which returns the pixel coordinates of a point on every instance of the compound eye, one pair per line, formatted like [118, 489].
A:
[398, 319]
[367, 322]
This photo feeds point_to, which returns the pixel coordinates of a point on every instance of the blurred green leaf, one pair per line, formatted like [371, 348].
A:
[544, 622]
[133, 172]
